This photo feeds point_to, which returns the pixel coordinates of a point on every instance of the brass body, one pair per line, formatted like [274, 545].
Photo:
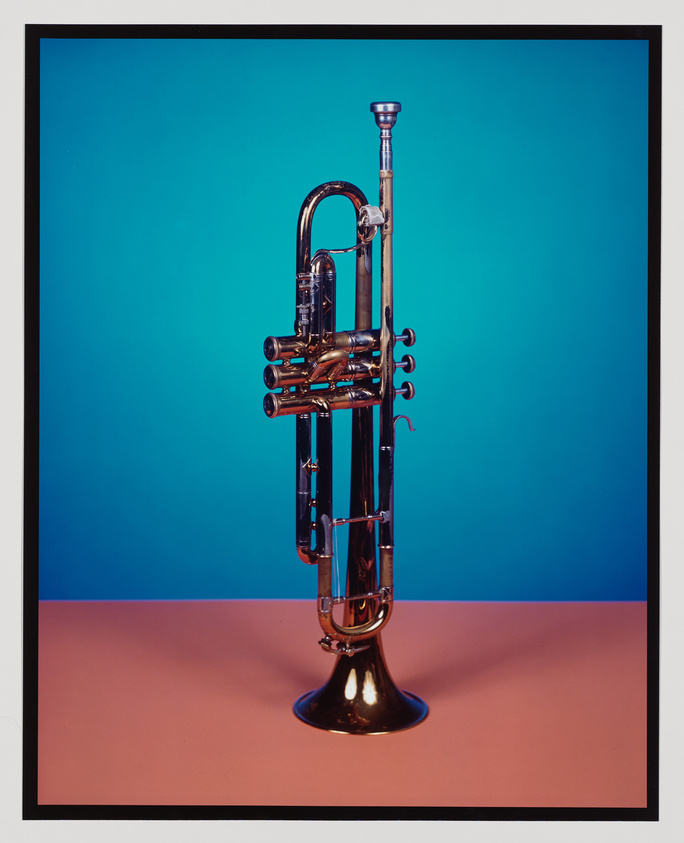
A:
[360, 696]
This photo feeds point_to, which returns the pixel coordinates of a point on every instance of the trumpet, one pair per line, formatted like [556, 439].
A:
[319, 370]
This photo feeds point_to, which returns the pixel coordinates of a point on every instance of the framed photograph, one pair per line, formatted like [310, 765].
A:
[235, 232]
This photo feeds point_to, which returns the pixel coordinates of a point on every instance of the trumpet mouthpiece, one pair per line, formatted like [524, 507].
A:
[385, 113]
[385, 117]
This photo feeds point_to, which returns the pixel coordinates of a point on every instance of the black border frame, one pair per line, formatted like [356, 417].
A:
[33, 34]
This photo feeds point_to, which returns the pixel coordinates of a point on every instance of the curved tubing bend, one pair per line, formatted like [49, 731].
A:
[348, 634]
[340, 632]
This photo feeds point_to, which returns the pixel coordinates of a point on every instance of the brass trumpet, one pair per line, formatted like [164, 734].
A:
[319, 370]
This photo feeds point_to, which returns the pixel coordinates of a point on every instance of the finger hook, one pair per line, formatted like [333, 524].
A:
[411, 427]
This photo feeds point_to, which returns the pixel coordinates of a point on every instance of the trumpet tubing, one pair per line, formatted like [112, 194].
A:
[319, 369]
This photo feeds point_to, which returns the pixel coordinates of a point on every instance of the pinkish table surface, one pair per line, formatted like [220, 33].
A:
[190, 703]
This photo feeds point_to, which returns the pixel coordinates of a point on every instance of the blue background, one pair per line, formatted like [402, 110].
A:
[172, 172]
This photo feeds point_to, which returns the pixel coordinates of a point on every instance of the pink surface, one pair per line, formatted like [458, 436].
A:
[190, 703]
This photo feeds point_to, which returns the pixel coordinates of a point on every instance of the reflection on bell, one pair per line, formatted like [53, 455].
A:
[350, 687]
[369, 694]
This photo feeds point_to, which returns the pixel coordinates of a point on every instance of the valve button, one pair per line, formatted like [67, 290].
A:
[407, 336]
[408, 364]
[407, 390]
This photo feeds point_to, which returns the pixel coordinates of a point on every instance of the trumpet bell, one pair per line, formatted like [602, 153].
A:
[360, 698]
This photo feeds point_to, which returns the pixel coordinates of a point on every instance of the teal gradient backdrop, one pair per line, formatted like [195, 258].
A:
[172, 172]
